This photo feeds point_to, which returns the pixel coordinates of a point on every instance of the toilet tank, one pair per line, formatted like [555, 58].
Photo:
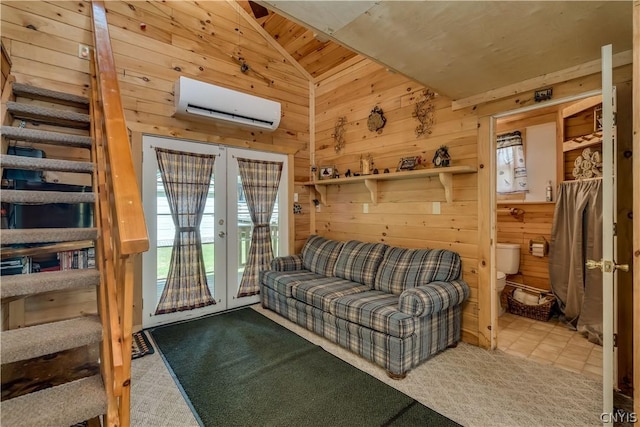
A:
[508, 257]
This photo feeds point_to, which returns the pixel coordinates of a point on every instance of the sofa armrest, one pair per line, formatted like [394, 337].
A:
[287, 263]
[433, 297]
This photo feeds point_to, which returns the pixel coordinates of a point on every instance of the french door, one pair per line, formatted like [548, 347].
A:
[225, 228]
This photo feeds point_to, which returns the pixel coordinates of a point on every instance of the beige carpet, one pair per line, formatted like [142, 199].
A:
[472, 386]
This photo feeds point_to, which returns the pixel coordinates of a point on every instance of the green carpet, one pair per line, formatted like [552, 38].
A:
[242, 369]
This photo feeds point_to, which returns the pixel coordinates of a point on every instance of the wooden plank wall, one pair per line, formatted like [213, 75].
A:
[196, 40]
[534, 223]
[404, 215]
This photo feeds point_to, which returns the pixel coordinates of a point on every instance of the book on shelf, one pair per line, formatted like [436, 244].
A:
[77, 259]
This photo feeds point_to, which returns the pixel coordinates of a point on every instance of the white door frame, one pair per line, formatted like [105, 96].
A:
[225, 260]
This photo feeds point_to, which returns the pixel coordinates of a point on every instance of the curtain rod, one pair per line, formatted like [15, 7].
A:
[582, 179]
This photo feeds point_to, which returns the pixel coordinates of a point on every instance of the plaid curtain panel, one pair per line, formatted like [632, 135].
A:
[186, 178]
[407, 268]
[320, 255]
[260, 182]
[359, 261]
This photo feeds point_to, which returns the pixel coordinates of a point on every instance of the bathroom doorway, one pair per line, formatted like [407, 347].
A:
[529, 166]
[522, 220]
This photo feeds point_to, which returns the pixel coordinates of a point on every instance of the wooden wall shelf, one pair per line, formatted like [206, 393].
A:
[582, 141]
[371, 181]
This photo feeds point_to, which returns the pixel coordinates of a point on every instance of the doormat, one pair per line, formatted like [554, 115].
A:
[140, 345]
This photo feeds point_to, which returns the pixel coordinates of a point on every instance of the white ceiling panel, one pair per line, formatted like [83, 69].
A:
[463, 48]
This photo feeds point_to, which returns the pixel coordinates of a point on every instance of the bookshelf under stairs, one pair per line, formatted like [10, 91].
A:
[51, 373]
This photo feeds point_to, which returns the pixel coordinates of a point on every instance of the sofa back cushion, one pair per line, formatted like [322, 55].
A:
[402, 269]
[359, 261]
[319, 255]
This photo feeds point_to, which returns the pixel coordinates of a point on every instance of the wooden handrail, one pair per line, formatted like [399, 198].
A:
[120, 220]
[131, 226]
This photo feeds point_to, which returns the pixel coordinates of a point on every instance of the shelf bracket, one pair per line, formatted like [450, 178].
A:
[322, 192]
[372, 186]
[446, 178]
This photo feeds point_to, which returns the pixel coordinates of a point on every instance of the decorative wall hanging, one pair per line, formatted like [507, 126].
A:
[338, 133]
[297, 208]
[441, 158]
[425, 113]
[376, 120]
[588, 165]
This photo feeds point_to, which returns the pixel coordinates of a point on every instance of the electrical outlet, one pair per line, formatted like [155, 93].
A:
[365, 208]
[295, 197]
[435, 208]
[83, 51]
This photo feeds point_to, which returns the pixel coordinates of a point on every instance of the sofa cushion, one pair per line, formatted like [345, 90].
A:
[320, 292]
[287, 263]
[319, 255]
[282, 281]
[402, 269]
[374, 310]
[434, 297]
[359, 261]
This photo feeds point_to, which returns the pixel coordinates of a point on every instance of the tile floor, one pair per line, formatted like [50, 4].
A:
[550, 343]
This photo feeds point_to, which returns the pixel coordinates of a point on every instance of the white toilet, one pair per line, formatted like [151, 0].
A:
[507, 262]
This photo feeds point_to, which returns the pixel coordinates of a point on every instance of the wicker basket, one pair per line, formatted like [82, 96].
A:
[537, 312]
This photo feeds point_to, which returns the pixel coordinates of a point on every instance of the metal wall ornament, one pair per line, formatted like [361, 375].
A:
[376, 120]
[338, 134]
[425, 112]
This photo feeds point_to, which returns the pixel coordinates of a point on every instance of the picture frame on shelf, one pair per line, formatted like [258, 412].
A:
[597, 119]
[327, 172]
[408, 163]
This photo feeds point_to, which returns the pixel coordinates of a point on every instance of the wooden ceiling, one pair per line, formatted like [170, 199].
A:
[316, 55]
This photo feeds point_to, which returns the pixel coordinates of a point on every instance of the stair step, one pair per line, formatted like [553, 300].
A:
[28, 91]
[47, 115]
[48, 338]
[31, 163]
[29, 284]
[45, 137]
[29, 197]
[47, 235]
[63, 405]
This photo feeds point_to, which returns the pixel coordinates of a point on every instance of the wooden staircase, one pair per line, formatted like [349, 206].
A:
[31, 345]
[66, 363]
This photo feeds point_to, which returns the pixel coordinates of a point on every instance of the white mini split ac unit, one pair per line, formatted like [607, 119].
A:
[196, 100]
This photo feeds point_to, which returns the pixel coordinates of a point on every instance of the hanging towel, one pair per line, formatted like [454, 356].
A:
[511, 165]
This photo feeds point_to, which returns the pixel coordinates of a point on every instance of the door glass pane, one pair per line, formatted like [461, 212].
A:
[165, 233]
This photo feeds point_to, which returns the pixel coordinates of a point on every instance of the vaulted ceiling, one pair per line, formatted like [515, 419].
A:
[459, 48]
[316, 53]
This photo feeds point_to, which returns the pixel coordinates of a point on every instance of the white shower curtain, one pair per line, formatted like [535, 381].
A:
[576, 236]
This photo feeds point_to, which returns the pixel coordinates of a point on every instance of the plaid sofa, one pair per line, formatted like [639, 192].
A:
[393, 306]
